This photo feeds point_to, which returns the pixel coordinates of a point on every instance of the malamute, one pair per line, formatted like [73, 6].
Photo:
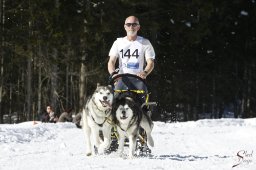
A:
[129, 117]
[96, 116]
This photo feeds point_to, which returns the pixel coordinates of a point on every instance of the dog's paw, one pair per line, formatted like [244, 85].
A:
[101, 149]
[122, 155]
[89, 154]
[120, 151]
[131, 156]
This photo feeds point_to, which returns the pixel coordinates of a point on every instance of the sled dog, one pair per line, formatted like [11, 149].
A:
[129, 117]
[95, 117]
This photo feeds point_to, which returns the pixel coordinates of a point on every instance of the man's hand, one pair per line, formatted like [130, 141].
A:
[147, 69]
[142, 74]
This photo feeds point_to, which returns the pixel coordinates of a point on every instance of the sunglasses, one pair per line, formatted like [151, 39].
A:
[132, 24]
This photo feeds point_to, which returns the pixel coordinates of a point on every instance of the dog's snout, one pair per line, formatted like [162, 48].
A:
[105, 97]
[123, 112]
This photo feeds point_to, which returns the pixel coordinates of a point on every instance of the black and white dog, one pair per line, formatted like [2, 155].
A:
[95, 117]
[129, 117]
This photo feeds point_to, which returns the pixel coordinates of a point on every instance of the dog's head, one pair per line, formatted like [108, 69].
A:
[125, 109]
[103, 96]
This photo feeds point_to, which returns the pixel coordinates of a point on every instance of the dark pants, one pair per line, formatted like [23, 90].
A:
[127, 85]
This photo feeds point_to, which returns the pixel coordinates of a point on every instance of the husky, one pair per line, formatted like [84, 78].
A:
[129, 117]
[96, 117]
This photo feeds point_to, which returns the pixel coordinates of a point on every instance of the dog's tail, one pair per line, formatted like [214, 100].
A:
[150, 140]
[149, 137]
[148, 126]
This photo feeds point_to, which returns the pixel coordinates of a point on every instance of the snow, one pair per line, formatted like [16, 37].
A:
[195, 145]
[188, 24]
[244, 13]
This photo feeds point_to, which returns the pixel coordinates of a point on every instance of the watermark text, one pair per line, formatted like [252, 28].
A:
[243, 157]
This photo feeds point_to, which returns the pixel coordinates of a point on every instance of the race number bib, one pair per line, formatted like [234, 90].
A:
[131, 58]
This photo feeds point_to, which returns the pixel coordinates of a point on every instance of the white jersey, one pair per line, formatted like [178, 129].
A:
[132, 54]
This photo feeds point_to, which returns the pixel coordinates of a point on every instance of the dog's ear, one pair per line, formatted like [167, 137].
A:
[110, 88]
[97, 88]
[130, 101]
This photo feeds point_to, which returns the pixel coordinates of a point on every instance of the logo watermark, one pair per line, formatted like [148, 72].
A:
[243, 157]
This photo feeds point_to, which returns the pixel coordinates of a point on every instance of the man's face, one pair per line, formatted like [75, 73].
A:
[131, 26]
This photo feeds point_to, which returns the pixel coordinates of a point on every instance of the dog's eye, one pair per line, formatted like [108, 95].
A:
[101, 93]
[108, 93]
[127, 108]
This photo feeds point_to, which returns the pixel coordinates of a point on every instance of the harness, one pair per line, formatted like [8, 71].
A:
[131, 122]
[99, 124]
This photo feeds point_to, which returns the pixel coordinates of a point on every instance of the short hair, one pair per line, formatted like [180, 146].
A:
[136, 18]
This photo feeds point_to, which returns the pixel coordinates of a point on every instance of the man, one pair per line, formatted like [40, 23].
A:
[132, 51]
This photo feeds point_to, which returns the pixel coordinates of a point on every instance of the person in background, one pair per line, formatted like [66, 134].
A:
[66, 116]
[49, 116]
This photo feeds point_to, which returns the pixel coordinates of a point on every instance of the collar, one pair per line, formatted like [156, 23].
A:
[131, 122]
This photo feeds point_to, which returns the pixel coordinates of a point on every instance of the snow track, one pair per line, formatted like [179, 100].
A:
[204, 144]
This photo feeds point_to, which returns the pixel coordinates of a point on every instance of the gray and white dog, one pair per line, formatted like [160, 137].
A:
[129, 117]
[96, 116]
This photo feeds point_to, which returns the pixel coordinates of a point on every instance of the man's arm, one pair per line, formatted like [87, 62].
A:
[111, 64]
[150, 66]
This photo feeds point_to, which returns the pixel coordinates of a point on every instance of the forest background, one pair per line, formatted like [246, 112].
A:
[53, 52]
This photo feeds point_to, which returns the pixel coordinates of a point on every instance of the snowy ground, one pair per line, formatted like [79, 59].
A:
[200, 145]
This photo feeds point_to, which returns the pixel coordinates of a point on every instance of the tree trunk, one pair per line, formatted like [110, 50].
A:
[196, 113]
[39, 92]
[213, 114]
[245, 97]
[221, 109]
[1, 84]
[10, 102]
[189, 112]
[249, 89]
[54, 85]
[82, 84]
[72, 90]
[54, 74]
[68, 68]
[237, 102]
[185, 110]
[2, 21]
[29, 66]
[29, 91]
[67, 106]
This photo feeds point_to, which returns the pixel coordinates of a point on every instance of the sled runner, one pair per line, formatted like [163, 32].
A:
[129, 85]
